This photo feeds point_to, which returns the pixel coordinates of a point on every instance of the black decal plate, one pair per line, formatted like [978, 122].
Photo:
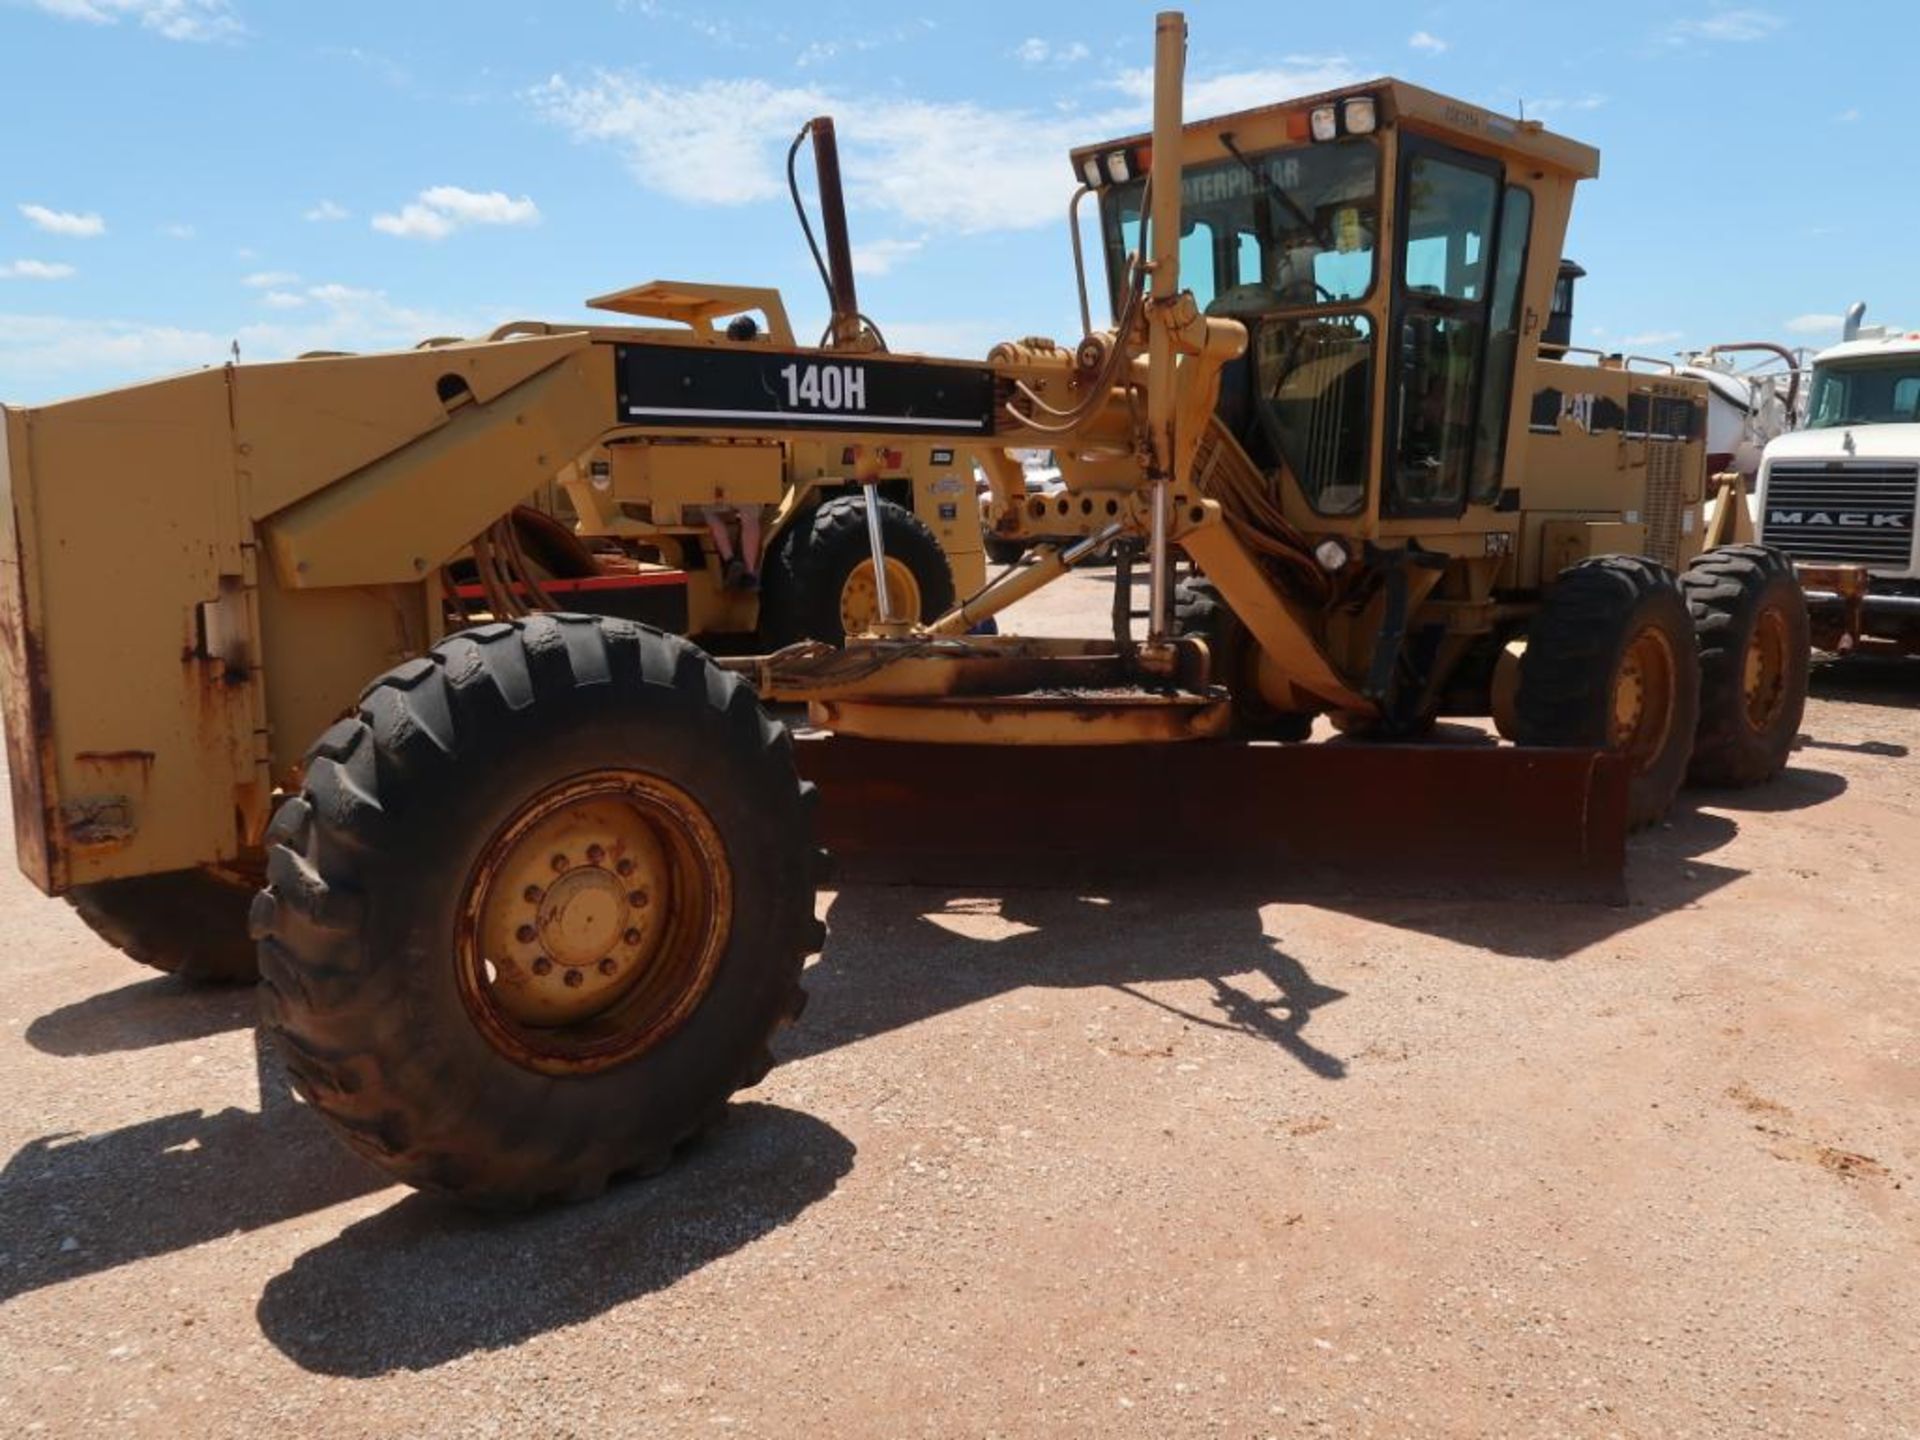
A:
[715, 388]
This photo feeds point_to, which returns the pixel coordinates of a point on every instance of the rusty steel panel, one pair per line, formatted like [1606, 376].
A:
[1402, 818]
[23, 679]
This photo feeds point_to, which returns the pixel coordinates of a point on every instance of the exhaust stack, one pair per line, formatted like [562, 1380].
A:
[846, 326]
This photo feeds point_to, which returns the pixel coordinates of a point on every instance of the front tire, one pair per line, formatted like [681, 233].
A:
[1003, 552]
[1750, 617]
[820, 584]
[538, 908]
[1611, 663]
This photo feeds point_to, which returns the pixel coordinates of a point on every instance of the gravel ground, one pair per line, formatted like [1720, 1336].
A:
[1180, 1162]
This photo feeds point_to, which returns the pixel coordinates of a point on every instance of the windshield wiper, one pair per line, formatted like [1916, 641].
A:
[1266, 182]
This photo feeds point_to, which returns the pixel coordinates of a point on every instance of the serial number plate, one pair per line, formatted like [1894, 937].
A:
[782, 390]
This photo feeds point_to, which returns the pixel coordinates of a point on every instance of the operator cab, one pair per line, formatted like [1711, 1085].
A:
[1378, 226]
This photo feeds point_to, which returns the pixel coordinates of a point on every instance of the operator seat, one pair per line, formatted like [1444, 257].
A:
[1236, 405]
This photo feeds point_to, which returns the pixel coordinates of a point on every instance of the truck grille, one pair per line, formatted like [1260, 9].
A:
[1857, 512]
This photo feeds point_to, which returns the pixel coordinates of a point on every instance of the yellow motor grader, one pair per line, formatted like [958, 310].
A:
[536, 900]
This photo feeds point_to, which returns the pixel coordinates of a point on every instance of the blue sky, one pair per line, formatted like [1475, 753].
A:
[179, 175]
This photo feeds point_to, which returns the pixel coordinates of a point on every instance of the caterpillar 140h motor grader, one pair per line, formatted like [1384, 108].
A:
[536, 901]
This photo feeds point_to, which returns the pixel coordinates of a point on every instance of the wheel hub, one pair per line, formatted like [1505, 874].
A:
[595, 921]
[1764, 674]
[1643, 691]
[860, 596]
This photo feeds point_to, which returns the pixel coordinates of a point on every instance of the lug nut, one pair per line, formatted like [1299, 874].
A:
[608, 965]
[637, 899]
[560, 862]
[533, 894]
[525, 934]
[632, 937]
[625, 867]
[575, 979]
[542, 965]
[595, 854]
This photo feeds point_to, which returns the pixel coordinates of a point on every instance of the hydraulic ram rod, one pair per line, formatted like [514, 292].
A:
[1169, 67]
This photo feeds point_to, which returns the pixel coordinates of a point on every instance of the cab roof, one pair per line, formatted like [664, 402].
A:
[1470, 126]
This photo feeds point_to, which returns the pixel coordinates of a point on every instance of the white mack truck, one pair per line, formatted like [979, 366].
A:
[1838, 494]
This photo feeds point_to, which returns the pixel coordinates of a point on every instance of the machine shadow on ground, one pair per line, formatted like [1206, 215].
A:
[901, 954]
[76, 1205]
[423, 1283]
[399, 1290]
[1888, 680]
[156, 1011]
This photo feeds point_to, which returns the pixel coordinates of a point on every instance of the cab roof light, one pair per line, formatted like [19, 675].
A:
[1114, 167]
[1356, 115]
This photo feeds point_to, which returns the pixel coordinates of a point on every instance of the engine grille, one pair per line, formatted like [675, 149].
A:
[1857, 512]
[1664, 466]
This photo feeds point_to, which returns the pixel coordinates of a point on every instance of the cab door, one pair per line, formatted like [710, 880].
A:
[1457, 276]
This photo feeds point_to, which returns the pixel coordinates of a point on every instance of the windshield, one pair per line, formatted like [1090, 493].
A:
[1281, 229]
[1887, 393]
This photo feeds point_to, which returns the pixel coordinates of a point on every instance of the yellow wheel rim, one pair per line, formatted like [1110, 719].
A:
[593, 922]
[1764, 673]
[1641, 717]
[860, 597]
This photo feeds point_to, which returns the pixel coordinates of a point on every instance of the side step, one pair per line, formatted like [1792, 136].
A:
[1491, 820]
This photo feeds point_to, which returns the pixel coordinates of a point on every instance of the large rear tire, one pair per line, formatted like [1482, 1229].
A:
[1611, 663]
[820, 578]
[184, 922]
[1750, 617]
[538, 908]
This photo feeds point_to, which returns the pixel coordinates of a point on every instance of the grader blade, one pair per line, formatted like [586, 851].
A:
[1493, 820]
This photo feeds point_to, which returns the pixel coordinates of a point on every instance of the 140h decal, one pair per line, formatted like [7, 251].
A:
[825, 387]
[754, 388]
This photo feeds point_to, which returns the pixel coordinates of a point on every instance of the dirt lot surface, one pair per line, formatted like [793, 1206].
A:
[1159, 1163]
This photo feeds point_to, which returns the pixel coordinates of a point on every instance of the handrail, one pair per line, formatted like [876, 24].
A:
[1079, 261]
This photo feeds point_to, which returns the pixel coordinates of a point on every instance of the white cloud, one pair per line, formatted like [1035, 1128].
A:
[1723, 25]
[201, 20]
[1816, 324]
[41, 353]
[1848, 116]
[723, 142]
[178, 231]
[282, 300]
[1649, 339]
[1035, 51]
[877, 257]
[326, 210]
[443, 209]
[339, 295]
[708, 143]
[64, 222]
[1431, 43]
[269, 279]
[35, 270]
[42, 356]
